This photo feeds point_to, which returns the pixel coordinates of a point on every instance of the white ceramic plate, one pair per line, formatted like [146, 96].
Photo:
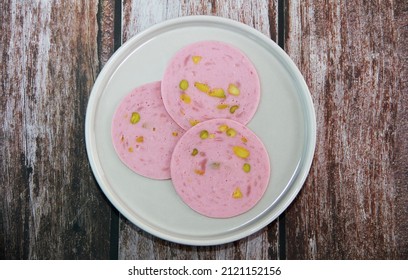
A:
[285, 122]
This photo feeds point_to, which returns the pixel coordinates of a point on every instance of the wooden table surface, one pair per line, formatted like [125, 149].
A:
[353, 55]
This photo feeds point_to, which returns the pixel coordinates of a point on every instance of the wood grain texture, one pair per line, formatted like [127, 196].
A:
[106, 30]
[51, 207]
[353, 55]
[400, 163]
[136, 244]
[138, 16]
[354, 59]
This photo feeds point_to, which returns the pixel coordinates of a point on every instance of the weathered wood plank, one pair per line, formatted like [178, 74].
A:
[354, 59]
[400, 163]
[138, 16]
[106, 31]
[51, 207]
[134, 243]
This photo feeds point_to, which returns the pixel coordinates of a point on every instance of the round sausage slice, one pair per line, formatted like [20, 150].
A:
[220, 168]
[143, 133]
[208, 80]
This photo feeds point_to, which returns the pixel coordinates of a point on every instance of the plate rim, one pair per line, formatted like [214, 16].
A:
[307, 153]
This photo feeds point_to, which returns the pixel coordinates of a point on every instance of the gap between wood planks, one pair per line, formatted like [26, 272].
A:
[114, 232]
[114, 226]
[282, 9]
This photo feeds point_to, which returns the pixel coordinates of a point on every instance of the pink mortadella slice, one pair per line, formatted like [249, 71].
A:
[143, 133]
[220, 168]
[209, 80]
